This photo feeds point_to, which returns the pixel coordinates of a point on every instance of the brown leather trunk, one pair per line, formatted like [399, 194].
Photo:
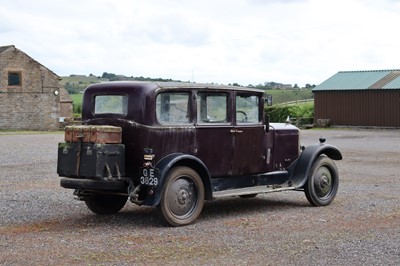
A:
[93, 134]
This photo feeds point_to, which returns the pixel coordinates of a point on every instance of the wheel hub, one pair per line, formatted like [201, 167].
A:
[323, 183]
[181, 197]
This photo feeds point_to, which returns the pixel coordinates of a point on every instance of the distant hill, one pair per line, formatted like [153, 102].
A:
[75, 84]
[283, 96]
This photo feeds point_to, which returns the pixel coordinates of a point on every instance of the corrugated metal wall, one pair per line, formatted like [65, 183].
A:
[359, 108]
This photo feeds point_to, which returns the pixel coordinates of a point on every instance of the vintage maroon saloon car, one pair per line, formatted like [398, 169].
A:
[175, 145]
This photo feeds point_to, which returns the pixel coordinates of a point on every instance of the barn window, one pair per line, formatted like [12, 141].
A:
[14, 78]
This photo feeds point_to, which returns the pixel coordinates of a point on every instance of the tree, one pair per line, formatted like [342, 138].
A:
[109, 76]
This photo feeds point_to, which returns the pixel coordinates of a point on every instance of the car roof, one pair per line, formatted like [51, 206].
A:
[192, 85]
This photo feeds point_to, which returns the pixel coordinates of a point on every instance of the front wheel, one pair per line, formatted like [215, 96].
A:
[105, 203]
[182, 196]
[323, 182]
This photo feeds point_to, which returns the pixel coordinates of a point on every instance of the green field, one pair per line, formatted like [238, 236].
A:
[283, 96]
[76, 98]
[77, 104]
[76, 84]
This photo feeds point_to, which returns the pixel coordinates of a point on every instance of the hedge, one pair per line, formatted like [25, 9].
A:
[299, 112]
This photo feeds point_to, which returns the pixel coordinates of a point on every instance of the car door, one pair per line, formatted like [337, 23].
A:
[214, 140]
[249, 135]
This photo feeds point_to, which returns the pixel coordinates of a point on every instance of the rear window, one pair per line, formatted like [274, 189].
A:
[111, 104]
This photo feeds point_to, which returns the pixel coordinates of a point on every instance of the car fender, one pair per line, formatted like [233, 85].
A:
[181, 159]
[305, 161]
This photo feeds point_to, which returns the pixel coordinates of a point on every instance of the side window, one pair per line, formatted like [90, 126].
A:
[173, 108]
[247, 109]
[212, 108]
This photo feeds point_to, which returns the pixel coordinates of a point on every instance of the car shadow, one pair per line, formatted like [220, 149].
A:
[145, 217]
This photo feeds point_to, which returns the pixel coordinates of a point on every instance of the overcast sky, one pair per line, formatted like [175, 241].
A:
[227, 41]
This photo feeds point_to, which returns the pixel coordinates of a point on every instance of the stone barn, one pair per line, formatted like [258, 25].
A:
[359, 98]
[31, 97]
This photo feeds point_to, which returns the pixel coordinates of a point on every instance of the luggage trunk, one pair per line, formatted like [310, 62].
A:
[91, 160]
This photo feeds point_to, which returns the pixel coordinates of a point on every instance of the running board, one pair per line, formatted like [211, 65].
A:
[249, 191]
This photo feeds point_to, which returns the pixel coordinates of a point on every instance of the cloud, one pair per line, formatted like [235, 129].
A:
[176, 29]
[270, 2]
[244, 41]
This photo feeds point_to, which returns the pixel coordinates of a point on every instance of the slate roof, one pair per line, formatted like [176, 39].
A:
[361, 80]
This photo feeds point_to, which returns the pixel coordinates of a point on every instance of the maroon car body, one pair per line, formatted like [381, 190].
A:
[184, 143]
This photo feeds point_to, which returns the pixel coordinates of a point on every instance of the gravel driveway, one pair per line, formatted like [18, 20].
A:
[42, 224]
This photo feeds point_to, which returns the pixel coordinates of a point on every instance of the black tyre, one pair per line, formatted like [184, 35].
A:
[323, 182]
[182, 197]
[105, 204]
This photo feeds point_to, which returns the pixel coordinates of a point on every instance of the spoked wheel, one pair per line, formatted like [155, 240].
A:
[323, 182]
[105, 203]
[182, 197]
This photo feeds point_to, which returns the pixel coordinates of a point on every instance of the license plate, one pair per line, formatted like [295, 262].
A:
[149, 176]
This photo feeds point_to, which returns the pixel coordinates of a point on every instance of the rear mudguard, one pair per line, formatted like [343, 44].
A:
[180, 159]
[300, 169]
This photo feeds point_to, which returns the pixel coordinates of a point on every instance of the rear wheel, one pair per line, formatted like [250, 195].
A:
[323, 182]
[182, 197]
[105, 203]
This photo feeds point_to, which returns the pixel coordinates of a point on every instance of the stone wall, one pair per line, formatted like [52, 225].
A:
[29, 111]
[66, 105]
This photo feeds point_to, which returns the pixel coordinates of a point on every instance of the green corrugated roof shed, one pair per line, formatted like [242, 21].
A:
[361, 80]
